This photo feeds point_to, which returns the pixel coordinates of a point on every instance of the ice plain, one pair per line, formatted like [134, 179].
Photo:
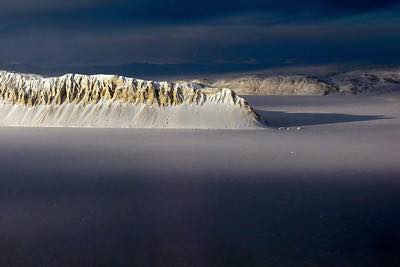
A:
[320, 187]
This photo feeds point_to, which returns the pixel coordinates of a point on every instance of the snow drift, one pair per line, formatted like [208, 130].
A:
[75, 100]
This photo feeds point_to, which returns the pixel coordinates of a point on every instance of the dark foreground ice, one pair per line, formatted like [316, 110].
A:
[326, 194]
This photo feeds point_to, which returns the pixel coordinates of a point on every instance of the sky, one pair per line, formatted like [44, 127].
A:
[170, 37]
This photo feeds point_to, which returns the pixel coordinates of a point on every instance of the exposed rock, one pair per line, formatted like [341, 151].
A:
[114, 101]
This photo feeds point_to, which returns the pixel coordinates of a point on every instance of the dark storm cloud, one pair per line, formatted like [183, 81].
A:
[183, 9]
[256, 33]
[92, 14]
[359, 5]
[28, 6]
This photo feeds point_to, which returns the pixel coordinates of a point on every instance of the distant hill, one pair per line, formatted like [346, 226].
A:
[369, 81]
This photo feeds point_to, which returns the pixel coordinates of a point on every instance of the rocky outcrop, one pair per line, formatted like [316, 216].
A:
[114, 101]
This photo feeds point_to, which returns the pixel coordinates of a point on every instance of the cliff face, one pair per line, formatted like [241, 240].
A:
[82, 89]
[130, 102]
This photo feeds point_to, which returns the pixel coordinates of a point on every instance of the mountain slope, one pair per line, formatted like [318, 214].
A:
[274, 85]
[75, 100]
[370, 81]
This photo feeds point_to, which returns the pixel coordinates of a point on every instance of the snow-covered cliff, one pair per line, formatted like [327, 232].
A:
[75, 100]
[372, 81]
[367, 81]
[274, 85]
